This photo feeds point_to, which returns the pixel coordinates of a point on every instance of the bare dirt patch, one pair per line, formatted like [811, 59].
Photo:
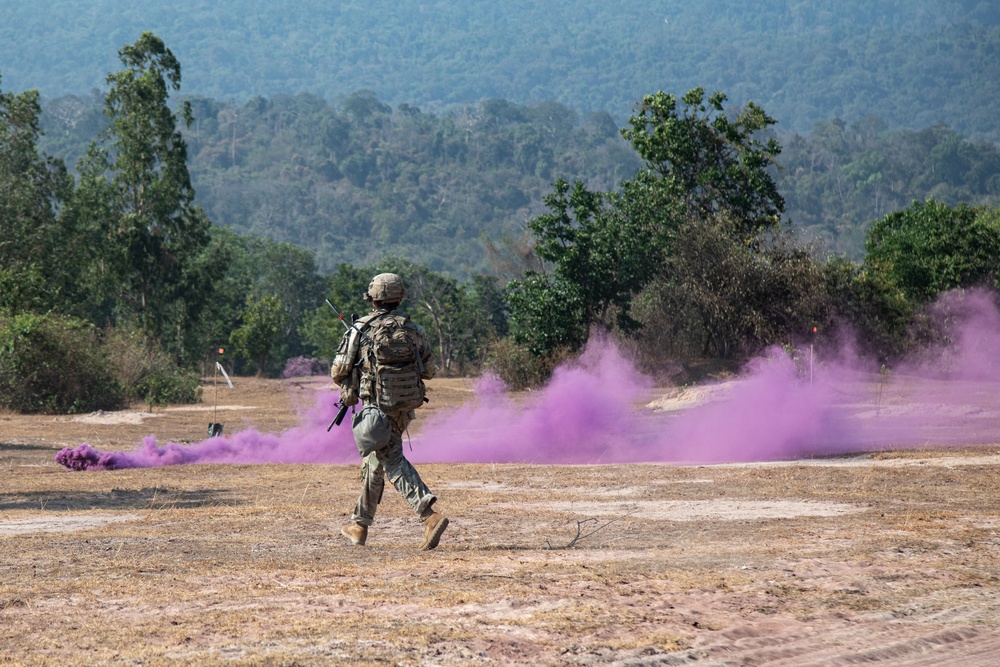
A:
[61, 524]
[694, 510]
[887, 558]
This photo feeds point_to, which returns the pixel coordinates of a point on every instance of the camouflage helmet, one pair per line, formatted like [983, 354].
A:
[386, 287]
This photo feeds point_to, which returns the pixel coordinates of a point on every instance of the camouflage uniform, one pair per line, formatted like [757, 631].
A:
[388, 461]
[357, 380]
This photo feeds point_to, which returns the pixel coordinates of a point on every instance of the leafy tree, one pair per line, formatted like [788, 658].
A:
[55, 364]
[40, 249]
[145, 372]
[603, 253]
[929, 248]
[346, 290]
[257, 267]
[136, 191]
[870, 310]
[716, 166]
[480, 321]
[288, 273]
[487, 304]
[701, 170]
[263, 322]
[546, 315]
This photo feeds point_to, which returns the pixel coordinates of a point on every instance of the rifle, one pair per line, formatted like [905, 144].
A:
[340, 415]
[340, 316]
[354, 318]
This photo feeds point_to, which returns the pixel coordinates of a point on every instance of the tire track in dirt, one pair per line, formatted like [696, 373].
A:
[851, 642]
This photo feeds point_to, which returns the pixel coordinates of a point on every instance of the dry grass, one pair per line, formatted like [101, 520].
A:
[212, 565]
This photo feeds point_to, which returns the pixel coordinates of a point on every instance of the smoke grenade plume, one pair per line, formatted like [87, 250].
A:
[309, 442]
[600, 409]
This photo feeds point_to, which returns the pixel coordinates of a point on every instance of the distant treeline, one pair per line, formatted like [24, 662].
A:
[520, 232]
[360, 180]
[914, 63]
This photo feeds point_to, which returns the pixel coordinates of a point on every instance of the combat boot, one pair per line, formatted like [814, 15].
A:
[355, 532]
[434, 525]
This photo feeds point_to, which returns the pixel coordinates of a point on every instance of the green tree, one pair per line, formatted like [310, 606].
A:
[546, 315]
[136, 191]
[701, 169]
[930, 247]
[41, 255]
[480, 320]
[262, 326]
[604, 251]
[719, 298]
[871, 310]
[54, 364]
[718, 167]
[258, 267]
[345, 290]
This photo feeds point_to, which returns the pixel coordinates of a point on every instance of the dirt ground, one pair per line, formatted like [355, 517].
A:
[888, 558]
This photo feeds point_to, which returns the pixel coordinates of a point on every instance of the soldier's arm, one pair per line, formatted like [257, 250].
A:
[427, 358]
[347, 354]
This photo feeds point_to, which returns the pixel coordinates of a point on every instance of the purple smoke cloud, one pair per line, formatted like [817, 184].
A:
[600, 409]
[309, 442]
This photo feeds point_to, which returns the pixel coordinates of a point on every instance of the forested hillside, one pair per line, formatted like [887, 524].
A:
[358, 181]
[123, 275]
[913, 63]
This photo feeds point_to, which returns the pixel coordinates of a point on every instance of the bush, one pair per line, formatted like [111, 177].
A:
[147, 373]
[167, 385]
[883, 323]
[518, 367]
[301, 366]
[52, 364]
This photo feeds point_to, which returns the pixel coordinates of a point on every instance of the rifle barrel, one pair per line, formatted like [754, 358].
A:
[339, 314]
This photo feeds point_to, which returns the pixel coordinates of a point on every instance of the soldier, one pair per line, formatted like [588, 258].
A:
[383, 360]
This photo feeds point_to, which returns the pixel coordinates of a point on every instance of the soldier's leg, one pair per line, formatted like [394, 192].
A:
[373, 484]
[401, 472]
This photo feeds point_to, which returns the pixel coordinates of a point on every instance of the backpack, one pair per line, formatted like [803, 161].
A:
[394, 361]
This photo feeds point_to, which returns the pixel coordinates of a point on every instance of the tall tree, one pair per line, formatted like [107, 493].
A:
[38, 251]
[604, 251]
[135, 189]
[262, 326]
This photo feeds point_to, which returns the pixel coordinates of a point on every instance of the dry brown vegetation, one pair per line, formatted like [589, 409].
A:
[887, 558]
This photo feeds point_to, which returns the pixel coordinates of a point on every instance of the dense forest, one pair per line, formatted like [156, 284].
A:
[358, 181]
[521, 231]
[913, 63]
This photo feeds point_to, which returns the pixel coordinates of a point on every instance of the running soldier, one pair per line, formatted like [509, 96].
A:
[384, 359]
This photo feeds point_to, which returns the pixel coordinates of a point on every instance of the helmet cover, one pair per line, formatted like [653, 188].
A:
[386, 287]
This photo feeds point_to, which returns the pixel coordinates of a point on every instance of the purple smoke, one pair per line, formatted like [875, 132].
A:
[600, 409]
[309, 442]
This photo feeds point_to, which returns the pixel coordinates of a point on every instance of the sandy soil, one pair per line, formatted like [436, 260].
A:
[887, 558]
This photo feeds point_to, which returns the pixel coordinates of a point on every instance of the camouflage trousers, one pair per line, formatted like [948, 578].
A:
[390, 462]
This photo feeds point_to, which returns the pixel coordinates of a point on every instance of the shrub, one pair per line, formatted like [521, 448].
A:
[53, 364]
[518, 367]
[167, 385]
[300, 366]
[147, 373]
